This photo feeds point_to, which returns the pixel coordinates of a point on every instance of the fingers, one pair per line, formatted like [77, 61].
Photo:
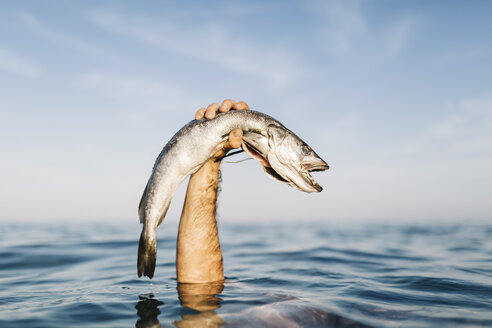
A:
[208, 112]
[241, 105]
[235, 139]
[227, 105]
[235, 136]
[199, 114]
[211, 111]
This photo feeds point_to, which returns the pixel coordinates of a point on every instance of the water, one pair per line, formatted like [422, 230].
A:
[278, 275]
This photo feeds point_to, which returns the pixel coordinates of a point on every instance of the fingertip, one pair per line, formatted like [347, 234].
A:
[235, 143]
[241, 105]
[227, 104]
[213, 106]
[235, 138]
[237, 133]
[209, 114]
[199, 114]
[211, 110]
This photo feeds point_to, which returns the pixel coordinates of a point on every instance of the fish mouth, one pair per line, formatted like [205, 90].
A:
[316, 167]
[307, 168]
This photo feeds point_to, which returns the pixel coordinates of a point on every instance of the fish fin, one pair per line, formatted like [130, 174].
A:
[147, 251]
[141, 205]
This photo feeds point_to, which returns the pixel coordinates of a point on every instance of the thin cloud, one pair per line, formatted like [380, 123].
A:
[212, 42]
[346, 30]
[449, 126]
[13, 63]
[129, 90]
[468, 128]
[462, 56]
[398, 36]
[479, 106]
[62, 38]
[344, 26]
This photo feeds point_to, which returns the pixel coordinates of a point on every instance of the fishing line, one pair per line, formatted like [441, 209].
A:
[230, 154]
[242, 160]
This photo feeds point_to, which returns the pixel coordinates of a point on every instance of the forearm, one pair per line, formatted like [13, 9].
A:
[198, 256]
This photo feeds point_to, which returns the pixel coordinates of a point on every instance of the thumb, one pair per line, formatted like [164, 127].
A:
[234, 140]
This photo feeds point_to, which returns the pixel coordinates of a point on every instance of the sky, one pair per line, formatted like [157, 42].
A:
[396, 96]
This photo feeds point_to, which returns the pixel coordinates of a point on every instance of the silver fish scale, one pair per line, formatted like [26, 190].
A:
[188, 149]
[183, 155]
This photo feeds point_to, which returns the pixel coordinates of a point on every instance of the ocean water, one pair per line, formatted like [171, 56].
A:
[278, 275]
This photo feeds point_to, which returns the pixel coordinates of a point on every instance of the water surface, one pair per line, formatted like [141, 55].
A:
[278, 275]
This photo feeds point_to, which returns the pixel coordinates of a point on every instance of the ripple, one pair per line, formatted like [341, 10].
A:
[438, 285]
[41, 261]
[309, 275]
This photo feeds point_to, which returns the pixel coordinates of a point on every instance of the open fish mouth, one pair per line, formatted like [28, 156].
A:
[306, 169]
[318, 168]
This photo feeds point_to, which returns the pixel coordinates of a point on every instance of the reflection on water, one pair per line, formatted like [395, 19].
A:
[201, 298]
[148, 310]
[197, 297]
[280, 311]
[279, 275]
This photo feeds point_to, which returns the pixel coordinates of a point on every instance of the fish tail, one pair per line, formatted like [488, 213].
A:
[147, 251]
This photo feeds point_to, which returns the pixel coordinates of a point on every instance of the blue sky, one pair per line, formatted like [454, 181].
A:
[396, 96]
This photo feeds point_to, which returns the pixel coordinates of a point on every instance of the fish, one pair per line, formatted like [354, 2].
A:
[283, 155]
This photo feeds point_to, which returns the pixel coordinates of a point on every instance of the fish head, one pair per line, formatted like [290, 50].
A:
[285, 157]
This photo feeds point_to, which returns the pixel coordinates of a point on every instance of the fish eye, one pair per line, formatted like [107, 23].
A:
[306, 150]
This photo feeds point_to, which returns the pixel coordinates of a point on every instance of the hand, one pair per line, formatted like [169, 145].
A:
[226, 106]
[235, 136]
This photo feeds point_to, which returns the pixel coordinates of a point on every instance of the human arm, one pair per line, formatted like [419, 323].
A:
[198, 254]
